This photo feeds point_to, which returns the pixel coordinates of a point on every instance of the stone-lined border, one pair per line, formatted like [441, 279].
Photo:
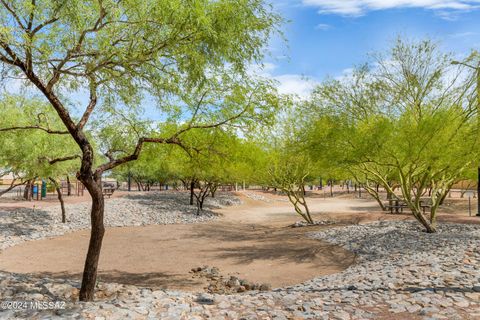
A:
[399, 270]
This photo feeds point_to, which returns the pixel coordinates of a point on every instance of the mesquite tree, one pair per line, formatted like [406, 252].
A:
[116, 52]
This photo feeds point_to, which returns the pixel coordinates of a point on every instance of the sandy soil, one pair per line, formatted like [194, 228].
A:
[252, 241]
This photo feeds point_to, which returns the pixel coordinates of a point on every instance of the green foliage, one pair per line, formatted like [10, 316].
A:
[27, 153]
[405, 123]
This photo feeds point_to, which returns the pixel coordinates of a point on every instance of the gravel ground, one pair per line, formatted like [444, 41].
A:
[400, 273]
[135, 209]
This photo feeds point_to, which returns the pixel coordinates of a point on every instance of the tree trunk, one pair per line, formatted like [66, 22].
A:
[297, 199]
[442, 199]
[213, 190]
[429, 227]
[192, 193]
[202, 194]
[27, 193]
[69, 187]
[375, 195]
[89, 278]
[60, 198]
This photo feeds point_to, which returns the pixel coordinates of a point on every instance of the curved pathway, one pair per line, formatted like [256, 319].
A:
[250, 241]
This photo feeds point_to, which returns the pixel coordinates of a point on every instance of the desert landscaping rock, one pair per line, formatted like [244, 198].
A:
[221, 284]
[135, 209]
[299, 224]
[399, 270]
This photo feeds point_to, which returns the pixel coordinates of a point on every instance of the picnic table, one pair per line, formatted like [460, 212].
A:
[398, 205]
[108, 191]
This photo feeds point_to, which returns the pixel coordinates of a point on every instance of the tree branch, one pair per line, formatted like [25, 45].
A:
[53, 161]
[47, 130]
[90, 107]
[14, 14]
[116, 162]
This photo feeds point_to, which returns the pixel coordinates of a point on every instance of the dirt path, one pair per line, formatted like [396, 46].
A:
[251, 241]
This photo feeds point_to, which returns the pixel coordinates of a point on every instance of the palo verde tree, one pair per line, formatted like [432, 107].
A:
[289, 165]
[118, 51]
[289, 172]
[406, 123]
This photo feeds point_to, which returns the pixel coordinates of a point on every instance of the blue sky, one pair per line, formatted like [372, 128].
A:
[327, 37]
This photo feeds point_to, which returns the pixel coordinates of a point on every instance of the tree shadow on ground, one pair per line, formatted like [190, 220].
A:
[156, 280]
[320, 256]
[248, 243]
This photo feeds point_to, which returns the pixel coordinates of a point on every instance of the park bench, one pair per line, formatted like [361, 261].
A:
[399, 205]
[108, 191]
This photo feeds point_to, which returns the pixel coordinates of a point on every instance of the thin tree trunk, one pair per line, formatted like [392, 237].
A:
[375, 195]
[28, 190]
[442, 199]
[192, 193]
[89, 278]
[60, 198]
[69, 187]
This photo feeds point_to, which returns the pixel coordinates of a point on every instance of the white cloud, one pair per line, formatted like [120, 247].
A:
[295, 84]
[322, 26]
[287, 83]
[360, 7]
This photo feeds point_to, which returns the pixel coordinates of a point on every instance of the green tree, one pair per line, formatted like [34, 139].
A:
[118, 52]
[406, 123]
